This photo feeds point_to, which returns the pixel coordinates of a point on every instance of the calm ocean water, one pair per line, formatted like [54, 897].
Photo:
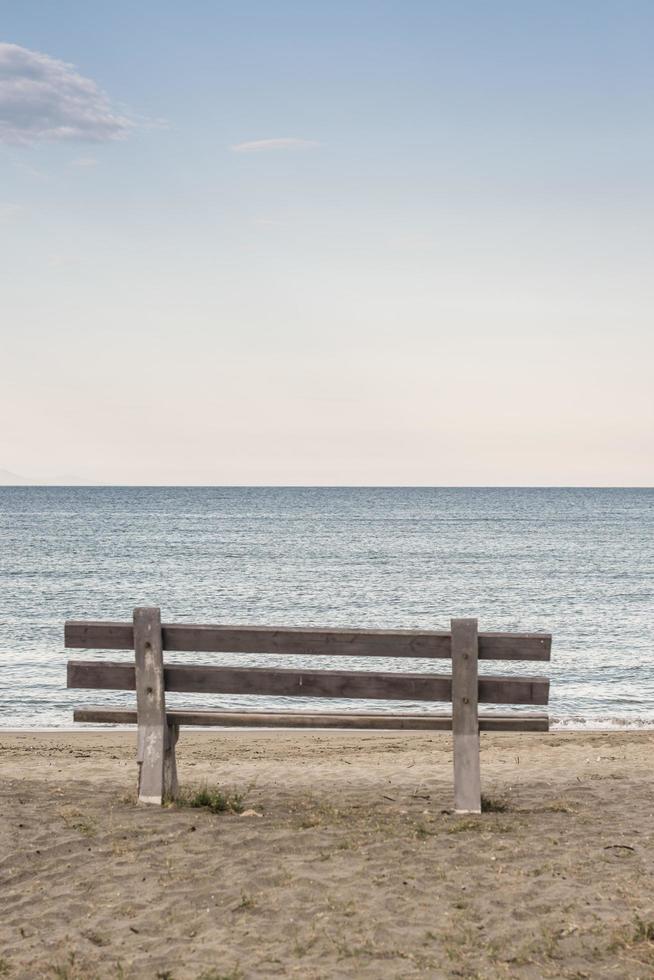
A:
[576, 562]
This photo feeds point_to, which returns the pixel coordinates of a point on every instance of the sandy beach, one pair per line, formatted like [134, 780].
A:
[347, 862]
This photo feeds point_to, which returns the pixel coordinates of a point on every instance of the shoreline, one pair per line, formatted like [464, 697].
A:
[555, 728]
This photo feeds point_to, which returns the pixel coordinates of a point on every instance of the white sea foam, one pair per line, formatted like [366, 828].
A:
[602, 723]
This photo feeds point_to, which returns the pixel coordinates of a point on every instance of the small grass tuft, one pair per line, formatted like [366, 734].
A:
[85, 827]
[461, 826]
[4, 967]
[643, 932]
[70, 970]
[491, 805]
[247, 902]
[212, 799]
[559, 806]
[312, 820]
[235, 974]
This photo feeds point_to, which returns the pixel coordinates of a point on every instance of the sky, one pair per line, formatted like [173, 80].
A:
[378, 243]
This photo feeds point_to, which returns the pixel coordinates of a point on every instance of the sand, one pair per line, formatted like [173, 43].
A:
[357, 866]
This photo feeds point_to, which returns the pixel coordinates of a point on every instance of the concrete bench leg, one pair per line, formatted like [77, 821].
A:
[465, 717]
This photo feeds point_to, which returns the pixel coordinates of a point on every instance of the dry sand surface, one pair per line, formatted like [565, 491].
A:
[356, 868]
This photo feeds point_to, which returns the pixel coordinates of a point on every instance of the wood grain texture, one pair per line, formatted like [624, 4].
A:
[513, 722]
[285, 682]
[170, 761]
[465, 725]
[148, 676]
[307, 642]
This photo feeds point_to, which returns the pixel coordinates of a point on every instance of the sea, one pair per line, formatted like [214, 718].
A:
[577, 563]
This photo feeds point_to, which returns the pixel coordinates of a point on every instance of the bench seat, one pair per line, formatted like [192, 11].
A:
[534, 721]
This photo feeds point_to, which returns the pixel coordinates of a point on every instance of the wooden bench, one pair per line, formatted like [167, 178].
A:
[158, 727]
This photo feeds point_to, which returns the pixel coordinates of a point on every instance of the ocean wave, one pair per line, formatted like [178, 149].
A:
[602, 723]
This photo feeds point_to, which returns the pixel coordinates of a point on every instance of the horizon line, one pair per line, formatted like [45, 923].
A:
[327, 486]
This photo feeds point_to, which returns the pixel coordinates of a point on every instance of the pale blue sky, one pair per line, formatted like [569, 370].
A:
[434, 266]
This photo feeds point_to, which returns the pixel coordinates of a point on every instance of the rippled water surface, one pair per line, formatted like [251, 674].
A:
[576, 562]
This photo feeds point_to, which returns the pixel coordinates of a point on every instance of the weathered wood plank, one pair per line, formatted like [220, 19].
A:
[308, 642]
[98, 634]
[465, 725]
[148, 677]
[285, 682]
[515, 722]
[170, 761]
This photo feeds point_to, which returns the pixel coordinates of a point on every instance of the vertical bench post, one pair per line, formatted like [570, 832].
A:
[156, 740]
[465, 718]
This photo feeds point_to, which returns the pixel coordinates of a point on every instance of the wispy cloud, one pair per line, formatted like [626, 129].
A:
[267, 222]
[42, 98]
[84, 162]
[30, 171]
[279, 143]
[9, 210]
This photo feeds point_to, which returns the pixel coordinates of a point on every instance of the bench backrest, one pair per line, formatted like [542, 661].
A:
[150, 677]
[461, 644]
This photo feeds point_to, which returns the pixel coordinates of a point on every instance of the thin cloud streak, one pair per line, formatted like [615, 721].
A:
[9, 210]
[279, 143]
[42, 98]
[84, 162]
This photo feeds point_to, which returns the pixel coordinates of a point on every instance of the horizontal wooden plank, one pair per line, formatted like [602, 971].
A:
[98, 635]
[282, 682]
[517, 722]
[307, 642]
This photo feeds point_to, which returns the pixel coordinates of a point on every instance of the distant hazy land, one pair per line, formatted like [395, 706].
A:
[9, 479]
